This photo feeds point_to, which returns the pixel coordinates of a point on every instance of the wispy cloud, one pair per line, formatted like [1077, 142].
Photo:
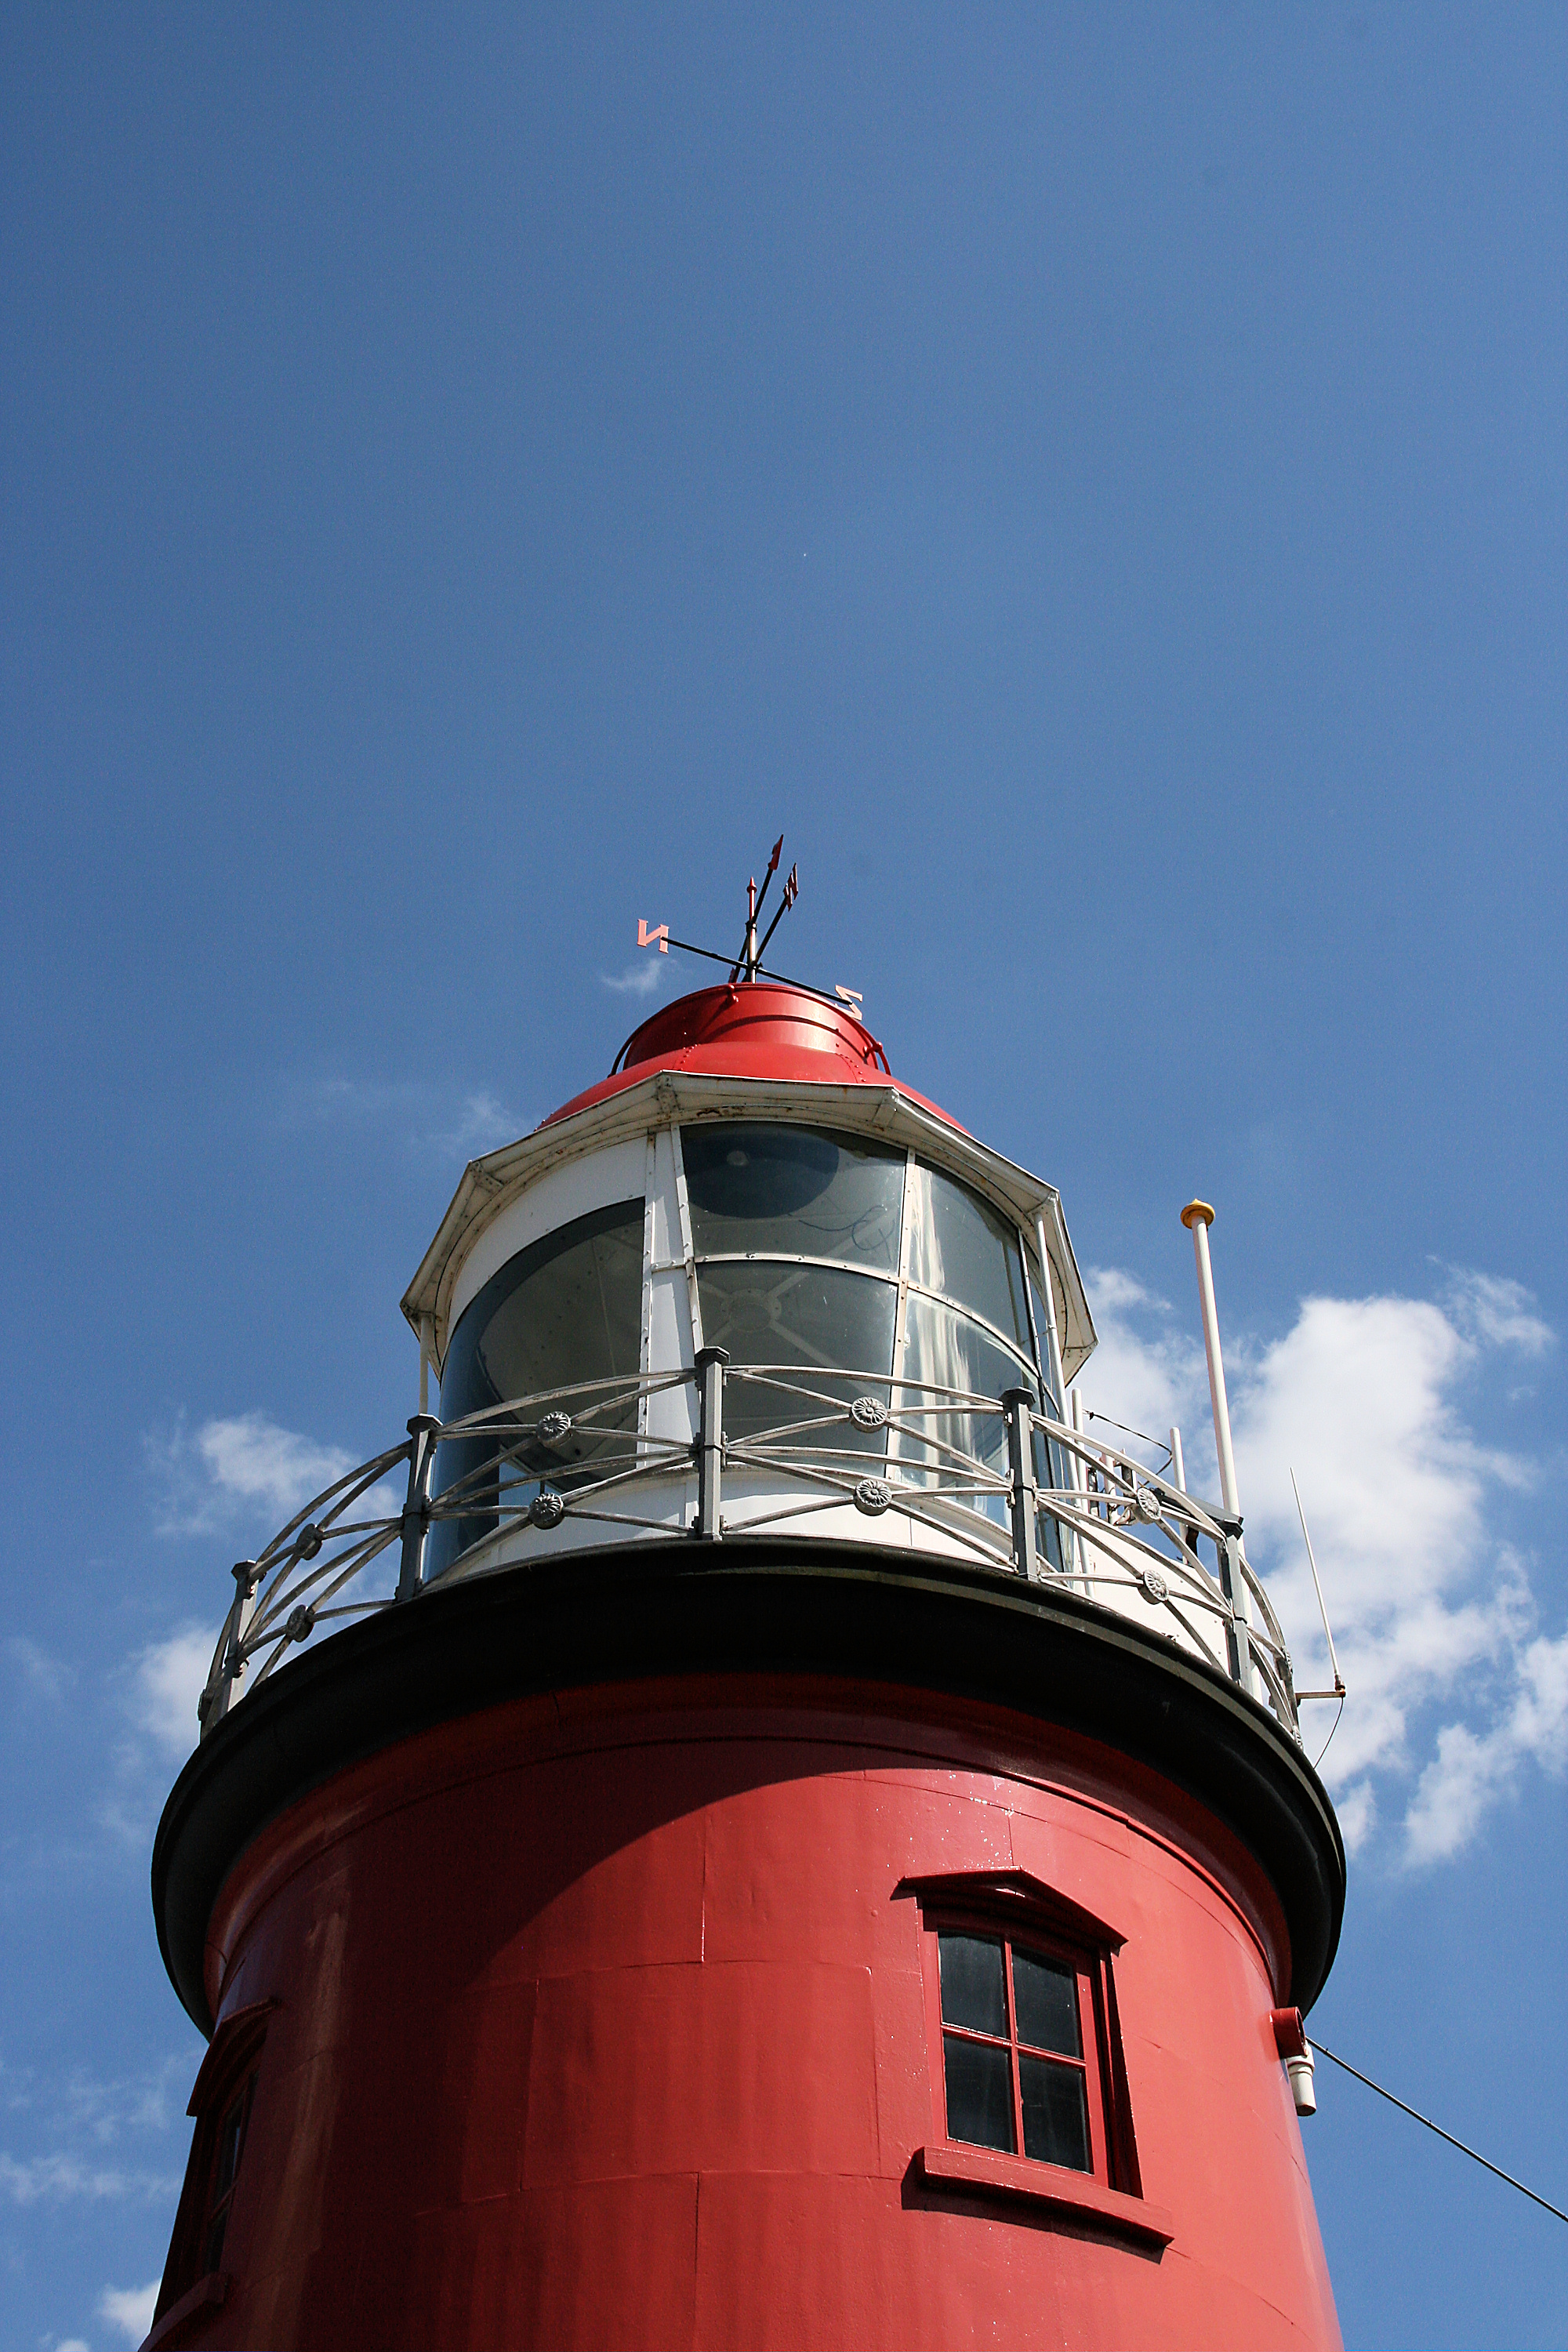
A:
[45, 1678]
[242, 1470]
[1498, 1313]
[1455, 1692]
[240, 1477]
[430, 1120]
[52, 2179]
[638, 979]
[95, 2142]
[130, 2309]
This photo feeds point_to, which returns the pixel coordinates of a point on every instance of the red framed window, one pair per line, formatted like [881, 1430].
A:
[1016, 2075]
[1023, 2030]
[221, 2101]
[230, 2149]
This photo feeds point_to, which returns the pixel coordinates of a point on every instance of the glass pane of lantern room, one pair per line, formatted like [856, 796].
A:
[794, 1190]
[835, 1327]
[945, 1350]
[962, 1247]
[567, 1309]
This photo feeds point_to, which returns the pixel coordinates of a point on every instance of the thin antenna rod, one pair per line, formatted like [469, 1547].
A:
[746, 961]
[792, 892]
[1339, 1689]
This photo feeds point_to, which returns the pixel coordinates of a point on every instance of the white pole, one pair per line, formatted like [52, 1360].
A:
[1056, 1377]
[1197, 1217]
[426, 1349]
[1053, 1337]
[1178, 1466]
[1080, 1480]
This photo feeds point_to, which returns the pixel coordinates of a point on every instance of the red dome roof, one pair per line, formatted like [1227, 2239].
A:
[752, 1029]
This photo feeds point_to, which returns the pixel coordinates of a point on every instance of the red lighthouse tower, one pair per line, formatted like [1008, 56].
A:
[771, 1837]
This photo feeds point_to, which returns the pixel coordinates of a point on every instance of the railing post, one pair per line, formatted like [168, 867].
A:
[711, 1363]
[218, 1697]
[1238, 1627]
[416, 1509]
[1019, 1406]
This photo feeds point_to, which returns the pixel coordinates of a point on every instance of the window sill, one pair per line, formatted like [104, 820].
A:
[1045, 2185]
[202, 2296]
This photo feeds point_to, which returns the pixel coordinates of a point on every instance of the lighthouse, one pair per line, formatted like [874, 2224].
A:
[749, 1825]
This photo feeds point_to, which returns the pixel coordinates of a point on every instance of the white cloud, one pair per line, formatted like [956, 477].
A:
[166, 1678]
[1499, 1312]
[51, 2180]
[244, 1469]
[1452, 1686]
[47, 1678]
[638, 980]
[430, 1119]
[482, 1123]
[71, 2344]
[1471, 1771]
[1147, 1370]
[252, 1458]
[129, 2308]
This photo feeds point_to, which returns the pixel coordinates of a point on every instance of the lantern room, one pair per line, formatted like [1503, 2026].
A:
[865, 1271]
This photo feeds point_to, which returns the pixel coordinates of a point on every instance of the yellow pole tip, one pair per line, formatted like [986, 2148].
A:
[1193, 1211]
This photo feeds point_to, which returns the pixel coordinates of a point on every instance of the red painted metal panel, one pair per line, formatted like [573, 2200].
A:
[602, 2023]
[761, 1030]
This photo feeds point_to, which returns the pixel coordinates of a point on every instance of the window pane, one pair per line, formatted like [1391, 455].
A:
[1044, 1996]
[1055, 2120]
[568, 1308]
[947, 1350]
[972, 1988]
[794, 1189]
[228, 2149]
[809, 1316]
[979, 2093]
[962, 1247]
[212, 2252]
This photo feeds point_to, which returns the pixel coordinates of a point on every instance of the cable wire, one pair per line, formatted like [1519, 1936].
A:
[1431, 2126]
[1128, 1430]
[1318, 1760]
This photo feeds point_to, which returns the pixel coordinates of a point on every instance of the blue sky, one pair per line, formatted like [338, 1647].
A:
[1094, 478]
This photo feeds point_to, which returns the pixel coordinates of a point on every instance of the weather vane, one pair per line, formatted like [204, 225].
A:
[748, 965]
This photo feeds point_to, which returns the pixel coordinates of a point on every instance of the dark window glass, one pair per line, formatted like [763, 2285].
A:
[1055, 2120]
[973, 1993]
[228, 2148]
[961, 1246]
[226, 2167]
[1044, 1996]
[778, 1188]
[979, 2092]
[567, 1309]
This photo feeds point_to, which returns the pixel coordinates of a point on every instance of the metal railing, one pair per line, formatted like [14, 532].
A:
[990, 1480]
